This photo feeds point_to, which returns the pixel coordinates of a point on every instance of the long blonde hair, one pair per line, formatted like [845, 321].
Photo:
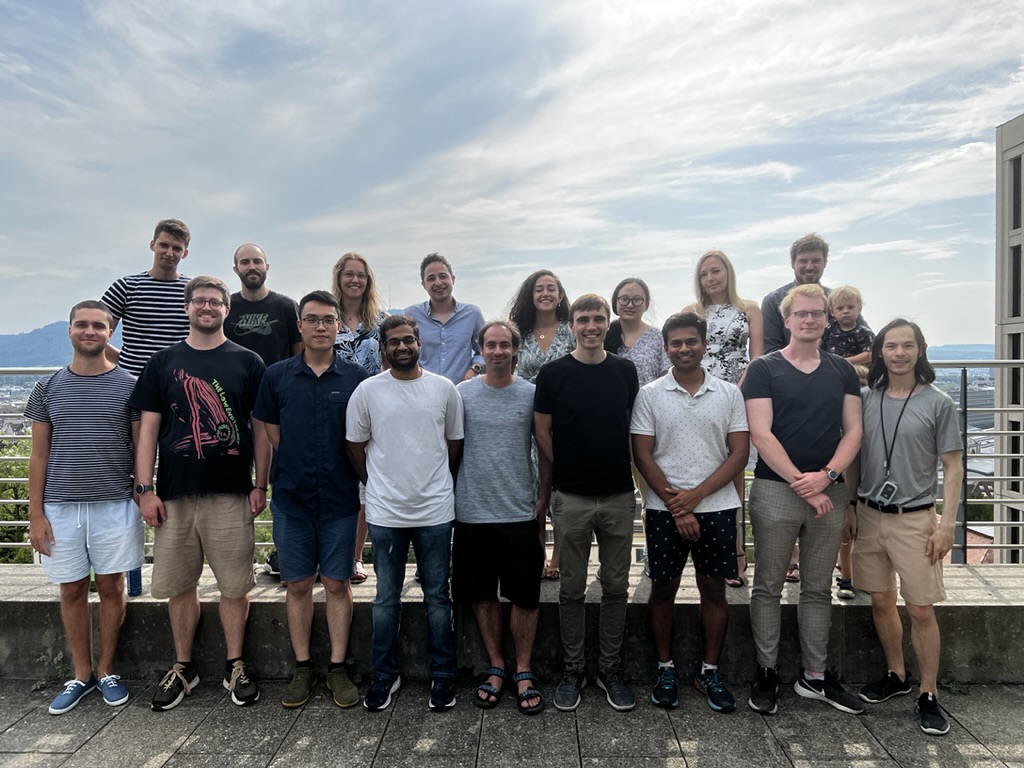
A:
[370, 306]
[703, 300]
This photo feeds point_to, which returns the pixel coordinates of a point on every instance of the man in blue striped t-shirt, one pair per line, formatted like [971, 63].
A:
[81, 512]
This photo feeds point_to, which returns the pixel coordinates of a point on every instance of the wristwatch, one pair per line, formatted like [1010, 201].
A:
[477, 368]
[833, 476]
[141, 489]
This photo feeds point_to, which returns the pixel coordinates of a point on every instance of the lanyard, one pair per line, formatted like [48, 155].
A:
[888, 447]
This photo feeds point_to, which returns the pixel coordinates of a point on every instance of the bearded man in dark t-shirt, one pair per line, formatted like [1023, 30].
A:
[196, 398]
[259, 319]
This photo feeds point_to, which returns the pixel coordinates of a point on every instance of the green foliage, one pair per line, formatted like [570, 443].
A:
[14, 491]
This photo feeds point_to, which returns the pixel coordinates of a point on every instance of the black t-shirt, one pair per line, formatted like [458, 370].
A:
[807, 408]
[204, 398]
[267, 327]
[589, 407]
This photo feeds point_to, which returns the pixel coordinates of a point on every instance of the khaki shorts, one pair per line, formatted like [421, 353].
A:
[887, 545]
[215, 526]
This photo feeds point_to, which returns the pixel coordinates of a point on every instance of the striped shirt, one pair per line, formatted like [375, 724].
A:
[152, 316]
[91, 436]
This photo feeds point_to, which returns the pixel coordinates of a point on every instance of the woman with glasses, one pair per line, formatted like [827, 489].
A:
[540, 309]
[630, 337]
[358, 341]
[735, 337]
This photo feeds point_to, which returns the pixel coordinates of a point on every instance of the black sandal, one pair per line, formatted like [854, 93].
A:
[489, 689]
[529, 693]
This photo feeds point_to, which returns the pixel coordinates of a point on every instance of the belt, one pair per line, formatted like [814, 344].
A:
[894, 509]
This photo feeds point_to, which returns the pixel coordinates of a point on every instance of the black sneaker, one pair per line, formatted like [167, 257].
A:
[174, 687]
[764, 693]
[830, 691]
[619, 695]
[567, 692]
[244, 690]
[666, 689]
[718, 696]
[378, 695]
[844, 588]
[882, 690]
[932, 721]
[273, 566]
[442, 694]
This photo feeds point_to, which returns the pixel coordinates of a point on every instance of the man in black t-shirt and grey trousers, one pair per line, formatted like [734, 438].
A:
[581, 419]
[196, 398]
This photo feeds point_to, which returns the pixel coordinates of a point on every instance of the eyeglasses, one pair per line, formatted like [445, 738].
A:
[803, 314]
[349, 275]
[313, 320]
[395, 342]
[212, 303]
[636, 301]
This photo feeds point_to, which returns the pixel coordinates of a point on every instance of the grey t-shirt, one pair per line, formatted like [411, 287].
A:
[496, 475]
[928, 427]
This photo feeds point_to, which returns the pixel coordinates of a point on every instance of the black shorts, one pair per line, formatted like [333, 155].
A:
[486, 554]
[714, 553]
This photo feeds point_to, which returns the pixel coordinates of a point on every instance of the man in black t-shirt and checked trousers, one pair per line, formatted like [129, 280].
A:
[196, 398]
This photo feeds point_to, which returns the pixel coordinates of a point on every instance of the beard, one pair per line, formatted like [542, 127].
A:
[404, 365]
[255, 279]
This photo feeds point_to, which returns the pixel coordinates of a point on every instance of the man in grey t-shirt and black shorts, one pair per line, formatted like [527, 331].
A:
[498, 517]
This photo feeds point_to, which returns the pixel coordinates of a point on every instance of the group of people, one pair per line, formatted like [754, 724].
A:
[460, 437]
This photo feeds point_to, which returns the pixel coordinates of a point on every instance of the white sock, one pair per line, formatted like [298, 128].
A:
[666, 664]
[705, 667]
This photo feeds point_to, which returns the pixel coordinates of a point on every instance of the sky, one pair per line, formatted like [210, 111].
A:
[602, 140]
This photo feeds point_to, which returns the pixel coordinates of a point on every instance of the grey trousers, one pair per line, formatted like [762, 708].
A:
[577, 520]
[779, 518]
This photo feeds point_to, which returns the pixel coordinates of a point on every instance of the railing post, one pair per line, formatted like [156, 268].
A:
[959, 553]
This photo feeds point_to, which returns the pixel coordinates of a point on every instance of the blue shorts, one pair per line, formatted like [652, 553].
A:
[105, 535]
[305, 543]
[714, 553]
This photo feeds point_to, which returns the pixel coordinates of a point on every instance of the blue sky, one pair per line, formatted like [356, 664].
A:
[598, 139]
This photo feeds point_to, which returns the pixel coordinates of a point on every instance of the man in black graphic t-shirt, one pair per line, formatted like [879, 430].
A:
[259, 319]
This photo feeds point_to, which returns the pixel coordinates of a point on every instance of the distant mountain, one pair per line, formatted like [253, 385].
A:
[962, 352]
[44, 347]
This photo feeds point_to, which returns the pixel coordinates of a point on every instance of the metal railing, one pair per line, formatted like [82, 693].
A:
[980, 487]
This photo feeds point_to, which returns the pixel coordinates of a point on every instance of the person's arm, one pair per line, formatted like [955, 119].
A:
[852, 476]
[262, 454]
[941, 541]
[112, 353]
[542, 434]
[755, 322]
[40, 534]
[454, 456]
[543, 494]
[152, 507]
[760, 416]
[357, 455]
[273, 434]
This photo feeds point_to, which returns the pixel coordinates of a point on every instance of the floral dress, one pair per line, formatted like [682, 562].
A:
[728, 337]
[361, 346]
[532, 358]
[648, 355]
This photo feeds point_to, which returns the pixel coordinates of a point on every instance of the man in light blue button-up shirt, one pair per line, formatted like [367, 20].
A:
[448, 329]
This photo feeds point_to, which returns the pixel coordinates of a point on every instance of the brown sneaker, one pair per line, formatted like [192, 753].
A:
[340, 684]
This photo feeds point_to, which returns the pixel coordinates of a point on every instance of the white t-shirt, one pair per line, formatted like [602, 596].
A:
[690, 434]
[406, 425]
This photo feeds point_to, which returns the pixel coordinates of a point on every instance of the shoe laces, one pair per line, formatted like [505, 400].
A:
[239, 675]
[667, 676]
[70, 685]
[174, 673]
[614, 676]
[110, 680]
[711, 681]
[928, 704]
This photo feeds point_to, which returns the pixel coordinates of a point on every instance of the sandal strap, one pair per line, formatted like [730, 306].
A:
[496, 672]
[488, 688]
[529, 693]
[518, 677]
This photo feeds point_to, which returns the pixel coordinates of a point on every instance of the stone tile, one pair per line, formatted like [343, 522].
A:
[429, 761]
[812, 730]
[992, 715]
[643, 732]
[30, 760]
[709, 739]
[853, 763]
[17, 699]
[417, 732]
[39, 731]
[331, 736]
[189, 760]
[253, 730]
[509, 739]
[638, 762]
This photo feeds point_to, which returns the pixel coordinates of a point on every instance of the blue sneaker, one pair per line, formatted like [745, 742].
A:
[711, 685]
[115, 693]
[74, 691]
[666, 689]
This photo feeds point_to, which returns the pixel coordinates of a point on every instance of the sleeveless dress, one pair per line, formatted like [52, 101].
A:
[727, 356]
[532, 357]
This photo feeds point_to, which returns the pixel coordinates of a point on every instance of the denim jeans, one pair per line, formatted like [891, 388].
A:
[432, 545]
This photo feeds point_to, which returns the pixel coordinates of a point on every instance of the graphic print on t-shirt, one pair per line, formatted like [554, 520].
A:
[254, 322]
[212, 429]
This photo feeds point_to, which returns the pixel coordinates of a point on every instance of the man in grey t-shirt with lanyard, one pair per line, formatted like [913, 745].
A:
[909, 427]
[499, 519]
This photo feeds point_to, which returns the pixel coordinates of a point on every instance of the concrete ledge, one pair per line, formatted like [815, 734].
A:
[980, 631]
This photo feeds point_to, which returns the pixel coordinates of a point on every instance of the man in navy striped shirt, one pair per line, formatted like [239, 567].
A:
[82, 515]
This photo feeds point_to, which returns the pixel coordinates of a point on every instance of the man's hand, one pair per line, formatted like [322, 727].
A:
[257, 501]
[152, 508]
[939, 544]
[683, 501]
[40, 534]
[822, 504]
[687, 525]
[808, 484]
[850, 526]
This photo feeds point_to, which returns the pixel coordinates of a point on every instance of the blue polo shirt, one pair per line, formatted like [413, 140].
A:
[312, 475]
[449, 348]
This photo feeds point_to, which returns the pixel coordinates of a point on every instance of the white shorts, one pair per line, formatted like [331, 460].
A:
[107, 536]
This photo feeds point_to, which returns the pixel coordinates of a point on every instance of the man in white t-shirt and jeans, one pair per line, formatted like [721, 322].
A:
[404, 433]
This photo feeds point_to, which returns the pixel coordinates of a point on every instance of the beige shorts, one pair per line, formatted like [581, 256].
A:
[216, 526]
[889, 544]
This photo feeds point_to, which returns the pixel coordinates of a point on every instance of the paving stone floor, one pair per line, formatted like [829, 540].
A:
[208, 730]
